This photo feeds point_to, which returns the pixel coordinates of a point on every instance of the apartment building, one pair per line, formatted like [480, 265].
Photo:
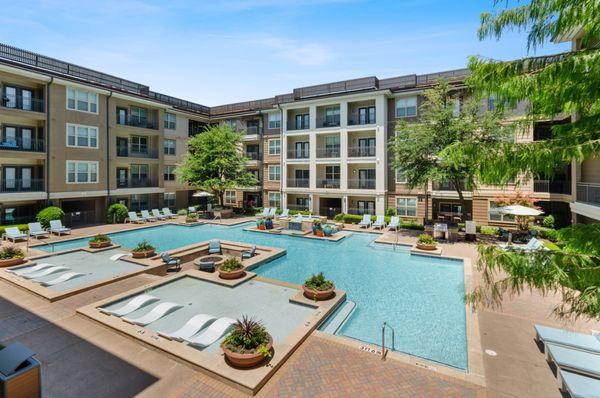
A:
[82, 139]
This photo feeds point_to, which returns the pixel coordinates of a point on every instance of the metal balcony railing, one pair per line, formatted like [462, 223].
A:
[331, 152]
[588, 193]
[329, 183]
[361, 183]
[361, 121]
[552, 186]
[361, 151]
[23, 103]
[297, 182]
[136, 183]
[150, 153]
[446, 186]
[22, 185]
[20, 144]
[252, 155]
[140, 122]
[298, 154]
[253, 130]
[332, 121]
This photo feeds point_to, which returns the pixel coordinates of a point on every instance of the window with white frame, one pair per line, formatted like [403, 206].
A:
[82, 136]
[406, 207]
[406, 107]
[274, 147]
[169, 146]
[169, 199]
[274, 120]
[230, 198]
[274, 173]
[170, 121]
[495, 213]
[274, 199]
[400, 176]
[79, 172]
[82, 100]
[169, 172]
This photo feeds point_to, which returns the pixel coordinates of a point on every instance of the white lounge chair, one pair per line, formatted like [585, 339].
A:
[531, 246]
[213, 333]
[132, 305]
[577, 386]
[394, 223]
[273, 212]
[379, 222]
[191, 327]
[36, 230]
[565, 338]
[155, 314]
[157, 214]
[167, 213]
[146, 216]
[366, 221]
[574, 360]
[133, 218]
[56, 227]
[191, 209]
[284, 214]
[63, 278]
[13, 233]
[45, 272]
[28, 270]
[264, 213]
[214, 246]
[117, 256]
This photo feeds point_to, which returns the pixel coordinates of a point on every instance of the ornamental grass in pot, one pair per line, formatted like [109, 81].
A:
[426, 242]
[248, 343]
[260, 224]
[99, 241]
[318, 288]
[11, 255]
[317, 228]
[191, 217]
[231, 268]
[143, 250]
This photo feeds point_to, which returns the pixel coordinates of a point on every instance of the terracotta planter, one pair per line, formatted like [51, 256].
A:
[12, 261]
[423, 246]
[143, 254]
[318, 295]
[245, 360]
[262, 227]
[238, 273]
[99, 245]
[191, 220]
[320, 233]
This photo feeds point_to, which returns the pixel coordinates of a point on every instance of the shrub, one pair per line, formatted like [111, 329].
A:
[248, 336]
[339, 217]
[426, 239]
[116, 213]
[390, 212]
[143, 246]
[48, 214]
[412, 225]
[487, 230]
[231, 264]
[182, 212]
[10, 252]
[192, 216]
[546, 233]
[303, 212]
[548, 221]
[99, 238]
[318, 282]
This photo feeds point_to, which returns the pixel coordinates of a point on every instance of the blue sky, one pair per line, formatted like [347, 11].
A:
[216, 52]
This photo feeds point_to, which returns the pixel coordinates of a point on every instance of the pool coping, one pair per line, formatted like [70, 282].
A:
[248, 381]
[278, 232]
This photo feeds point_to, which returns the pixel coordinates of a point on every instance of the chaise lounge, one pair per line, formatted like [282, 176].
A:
[190, 328]
[133, 304]
[36, 230]
[13, 233]
[379, 222]
[366, 221]
[213, 333]
[565, 338]
[133, 218]
[155, 314]
[56, 227]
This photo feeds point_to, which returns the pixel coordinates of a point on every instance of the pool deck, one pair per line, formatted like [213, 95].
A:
[79, 356]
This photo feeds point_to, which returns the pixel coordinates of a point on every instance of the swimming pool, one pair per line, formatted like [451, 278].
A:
[421, 297]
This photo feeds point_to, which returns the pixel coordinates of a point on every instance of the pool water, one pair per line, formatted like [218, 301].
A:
[421, 297]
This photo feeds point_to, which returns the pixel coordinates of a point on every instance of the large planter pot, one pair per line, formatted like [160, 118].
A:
[238, 273]
[269, 224]
[191, 220]
[327, 231]
[245, 360]
[320, 233]
[143, 254]
[423, 246]
[12, 261]
[262, 227]
[318, 295]
[99, 245]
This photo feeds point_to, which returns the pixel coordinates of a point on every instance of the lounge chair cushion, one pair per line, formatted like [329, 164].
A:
[214, 246]
[570, 359]
[566, 338]
[579, 386]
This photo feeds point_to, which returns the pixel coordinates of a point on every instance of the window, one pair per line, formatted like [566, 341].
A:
[139, 116]
[139, 202]
[82, 136]
[450, 209]
[82, 172]
[332, 172]
[169, 172]
[406, 107]
[496, 215]
[230, 197]
[274, 120]
[332, 116]
[274, 199]
[169, 199]
[274, 147]
[302, 122]
[139, 144]
[366, 115]
[81, 100]
[406, 207]
[274, 173]
[169, 147]
[170, 121]
[400, 176]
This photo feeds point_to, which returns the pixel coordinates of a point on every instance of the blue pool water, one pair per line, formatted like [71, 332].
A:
[420, 297]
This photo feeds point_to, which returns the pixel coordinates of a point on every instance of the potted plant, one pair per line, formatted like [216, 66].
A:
[327, 230]
[143, 250]
[426, 242]
[317, 228]
[11, 255]
[269, 222]
[191, 217]
[248, 344]
[231, 269]
[318, 288]
[260, 223]
[99, 241]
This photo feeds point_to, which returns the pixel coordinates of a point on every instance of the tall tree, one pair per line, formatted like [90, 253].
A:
[418, 146]
[215, 163]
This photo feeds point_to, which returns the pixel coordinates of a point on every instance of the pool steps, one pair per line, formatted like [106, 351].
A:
[339, 317]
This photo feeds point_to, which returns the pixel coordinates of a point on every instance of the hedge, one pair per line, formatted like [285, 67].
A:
[116, 212]
[22, 228]
[487, 230]
[48, 214]
[546, 233]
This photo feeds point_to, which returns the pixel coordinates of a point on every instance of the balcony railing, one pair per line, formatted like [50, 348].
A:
[298, 154]
[588, 193]
[361, 121]
[298, 126]
[560, 187]
[331, 152]
[327, 183]
[361, 151]
[360, 212]
[361, 183]
[141, 122]
[19, 144]
[24, 103]
[136, 183]
[253, 130]
[21, 185]
[329, 122]
[446, 186]
[150, 153]
[298, 207]
[252, 155]
[297, 182]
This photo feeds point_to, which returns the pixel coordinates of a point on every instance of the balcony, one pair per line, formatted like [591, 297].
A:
[362, 121]
[24, 145]
[333, 121]
[253, 130]
[552, 186]
[305, 125]
[13, 101]
[252, 155]
[136, 183]
[446, 186]
[330, 152]
[298, 154]
[362, 183]
[21, 185]
[588, 193]
[329, 184]
[297, 182]
[140, 122]
[149, 153]
[361, 151]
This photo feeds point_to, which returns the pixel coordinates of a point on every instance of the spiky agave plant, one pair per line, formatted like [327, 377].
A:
[248, 335]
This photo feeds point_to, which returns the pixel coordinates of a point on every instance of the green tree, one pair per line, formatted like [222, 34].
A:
[215, 163]
[418, 148]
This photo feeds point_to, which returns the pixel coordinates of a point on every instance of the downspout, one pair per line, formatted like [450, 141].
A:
[108, 150]
[281, 151]
[47, 182]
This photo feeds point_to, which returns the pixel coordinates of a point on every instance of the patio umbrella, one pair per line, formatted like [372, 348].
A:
[523, 211]
[202, 194]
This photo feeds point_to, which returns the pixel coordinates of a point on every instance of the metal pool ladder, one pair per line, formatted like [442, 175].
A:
[384, 350]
